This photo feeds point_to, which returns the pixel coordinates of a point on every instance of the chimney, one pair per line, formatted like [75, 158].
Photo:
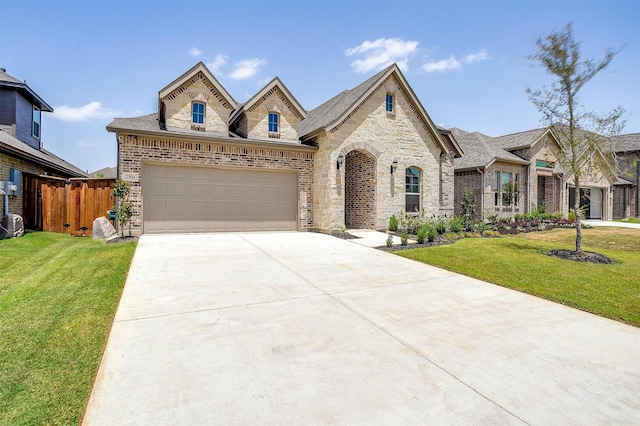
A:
[3, 70]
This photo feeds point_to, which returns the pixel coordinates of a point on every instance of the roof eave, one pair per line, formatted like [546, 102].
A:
[211, 138]
[26, 156]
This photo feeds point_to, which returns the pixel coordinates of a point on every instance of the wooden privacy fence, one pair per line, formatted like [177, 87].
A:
[65, 205]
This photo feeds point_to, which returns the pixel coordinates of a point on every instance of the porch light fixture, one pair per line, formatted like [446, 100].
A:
[340, 160]
[394, 166]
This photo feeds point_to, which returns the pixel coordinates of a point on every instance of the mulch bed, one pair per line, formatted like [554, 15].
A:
[122, 240]
[580, 256]
[343, 235]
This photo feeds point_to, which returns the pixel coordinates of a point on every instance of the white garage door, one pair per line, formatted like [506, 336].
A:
[203, 199]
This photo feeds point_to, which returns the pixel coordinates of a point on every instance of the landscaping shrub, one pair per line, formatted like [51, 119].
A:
[421, 236]
[393, 223]
[432, 233]
[404, 237]
[456, 225]
[441, 226]
[389, 240]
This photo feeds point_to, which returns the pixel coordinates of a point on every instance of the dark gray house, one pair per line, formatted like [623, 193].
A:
[21, 150]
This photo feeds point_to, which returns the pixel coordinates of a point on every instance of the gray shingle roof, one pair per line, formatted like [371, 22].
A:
[520, 139]
[330, 111]
[626, 143]
[7, 80]
[17, 148]
[480, 151]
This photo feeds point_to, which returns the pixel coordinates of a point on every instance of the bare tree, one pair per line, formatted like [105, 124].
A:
[581, 134]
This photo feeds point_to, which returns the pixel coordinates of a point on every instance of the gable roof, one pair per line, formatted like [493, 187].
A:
[338, 108]
[193, 71]
[10, 81]
[481, 151]
[521, 140]
[17, 148]
[276, 82]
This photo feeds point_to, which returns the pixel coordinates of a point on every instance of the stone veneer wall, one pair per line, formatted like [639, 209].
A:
[197, 89]
[258, 116]
[360, 190]
[400, 136]
[7, 163]
[133, 150]
[447, 186]
[472, 182]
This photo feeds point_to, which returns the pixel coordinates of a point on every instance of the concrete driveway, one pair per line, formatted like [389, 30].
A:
[304, 328]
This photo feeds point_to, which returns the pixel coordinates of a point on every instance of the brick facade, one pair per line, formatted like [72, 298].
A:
[360, 190]
[470, 181]
[134, 150]
[628, 168]
[7, 163]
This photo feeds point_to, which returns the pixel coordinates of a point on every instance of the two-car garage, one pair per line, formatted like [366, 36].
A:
[179, 198]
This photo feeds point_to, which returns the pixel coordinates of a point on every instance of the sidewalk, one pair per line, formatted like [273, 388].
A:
[593, 222]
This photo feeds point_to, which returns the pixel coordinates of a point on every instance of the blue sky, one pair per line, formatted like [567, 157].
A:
[96, 60]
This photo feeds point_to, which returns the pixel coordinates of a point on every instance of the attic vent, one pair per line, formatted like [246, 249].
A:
[198, 127]
[274, 135]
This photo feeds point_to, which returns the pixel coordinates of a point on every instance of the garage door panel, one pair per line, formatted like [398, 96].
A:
[205, 199]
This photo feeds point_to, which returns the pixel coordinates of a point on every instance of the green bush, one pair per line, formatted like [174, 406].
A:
[389, 240]
[421, 236]
[456, 225]
[441, 226]
[404, 237]
[393, 223]
[432, 234]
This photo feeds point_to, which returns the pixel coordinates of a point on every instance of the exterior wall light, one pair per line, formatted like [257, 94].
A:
[394, 166]
[340, 160]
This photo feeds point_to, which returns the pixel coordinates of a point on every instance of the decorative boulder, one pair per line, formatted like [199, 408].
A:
[103, 229]
[12, 226]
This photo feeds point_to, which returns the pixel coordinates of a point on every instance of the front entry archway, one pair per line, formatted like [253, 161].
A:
[360, 190]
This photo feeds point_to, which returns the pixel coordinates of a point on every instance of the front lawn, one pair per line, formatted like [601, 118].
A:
[520, 262]
[58, 296]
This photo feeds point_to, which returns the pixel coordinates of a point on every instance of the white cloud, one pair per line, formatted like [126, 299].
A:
[442, 65]
[90, 111]
[84, 144]
[195, 51]
[218, 62]
[453, 64]
[476, 57]
[379, 53]
[247, 68]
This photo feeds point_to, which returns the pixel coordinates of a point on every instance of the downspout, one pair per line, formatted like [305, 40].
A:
[481, 191]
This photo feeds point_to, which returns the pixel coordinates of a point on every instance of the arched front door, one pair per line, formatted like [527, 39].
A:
[360, 190]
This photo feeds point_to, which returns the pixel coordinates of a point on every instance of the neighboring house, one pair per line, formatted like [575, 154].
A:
[21, 150]
[626, 195]
[527, 160]
[204, 162]
[105, 172]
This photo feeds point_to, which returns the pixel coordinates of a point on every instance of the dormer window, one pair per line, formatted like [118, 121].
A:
[197, 113]
[389, 103]
[274, 122]
[36, 122]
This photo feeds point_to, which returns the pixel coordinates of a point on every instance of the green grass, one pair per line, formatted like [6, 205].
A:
[630, 220]
[520, 262]
[58, 296]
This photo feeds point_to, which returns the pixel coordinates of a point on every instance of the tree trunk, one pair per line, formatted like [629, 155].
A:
[576, 209]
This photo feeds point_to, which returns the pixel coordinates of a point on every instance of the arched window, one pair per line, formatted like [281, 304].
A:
[412, 190]
[197, 113]
[274, 122]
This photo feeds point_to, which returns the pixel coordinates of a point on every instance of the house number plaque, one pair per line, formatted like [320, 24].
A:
[130, 176]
